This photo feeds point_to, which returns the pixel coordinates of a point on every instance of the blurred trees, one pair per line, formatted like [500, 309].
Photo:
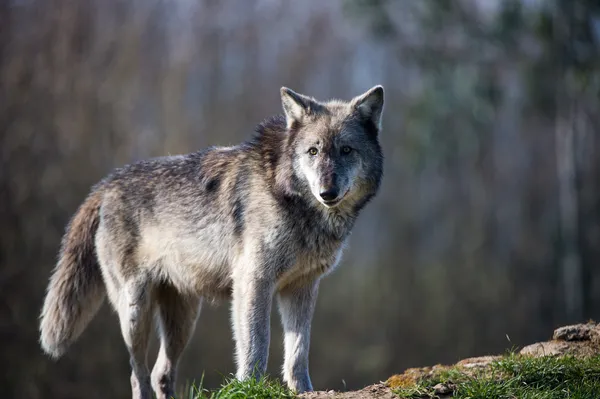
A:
[488, 219]
[485, 67]
[571, 37]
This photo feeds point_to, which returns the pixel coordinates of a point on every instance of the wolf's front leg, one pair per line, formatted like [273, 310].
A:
[251, 310]
[296, 306]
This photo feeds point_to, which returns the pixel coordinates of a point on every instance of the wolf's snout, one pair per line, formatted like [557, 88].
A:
[329, 194]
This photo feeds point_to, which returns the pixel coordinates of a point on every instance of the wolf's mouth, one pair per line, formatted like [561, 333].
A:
[333, 202]
[336, 201]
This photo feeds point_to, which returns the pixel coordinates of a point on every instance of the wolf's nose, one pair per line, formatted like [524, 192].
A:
[329, 195]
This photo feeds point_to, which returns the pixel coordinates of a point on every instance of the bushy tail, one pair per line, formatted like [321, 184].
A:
[76, 289]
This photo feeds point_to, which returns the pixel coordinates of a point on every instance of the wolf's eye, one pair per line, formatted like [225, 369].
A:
[346, 150]
[313, 151]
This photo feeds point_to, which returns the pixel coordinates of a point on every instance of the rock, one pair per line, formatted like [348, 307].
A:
[444, 389]
[551, 348]
[478, 362]
[576, 332]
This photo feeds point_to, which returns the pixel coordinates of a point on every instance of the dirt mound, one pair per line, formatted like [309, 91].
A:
[376, 391]
[577, 340]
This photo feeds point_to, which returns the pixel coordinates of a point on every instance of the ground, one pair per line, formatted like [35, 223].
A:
[567, 366]
[578, 341]
[379, 391]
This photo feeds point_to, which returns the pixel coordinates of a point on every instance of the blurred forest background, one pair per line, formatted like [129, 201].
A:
[488, 222]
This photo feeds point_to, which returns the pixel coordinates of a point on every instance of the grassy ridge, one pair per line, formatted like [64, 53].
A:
[515, 376]
[509, 377]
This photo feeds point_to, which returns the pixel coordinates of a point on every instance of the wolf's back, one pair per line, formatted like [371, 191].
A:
[76, 288]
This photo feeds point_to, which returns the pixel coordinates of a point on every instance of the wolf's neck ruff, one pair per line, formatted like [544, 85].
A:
[264, 219]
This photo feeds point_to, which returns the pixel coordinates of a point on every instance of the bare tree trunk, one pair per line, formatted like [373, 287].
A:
[566, 115]
[587, 177]
[570, 262]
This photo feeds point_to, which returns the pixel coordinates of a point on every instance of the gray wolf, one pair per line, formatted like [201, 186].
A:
[263, 220]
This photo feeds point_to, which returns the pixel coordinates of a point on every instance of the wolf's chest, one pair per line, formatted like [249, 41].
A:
[311, 260]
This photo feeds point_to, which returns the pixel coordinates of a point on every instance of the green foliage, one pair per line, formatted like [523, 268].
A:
[518, 376]
[510, 22]
[264, 388]
[453, 100]
[462, 78]
[380, 21]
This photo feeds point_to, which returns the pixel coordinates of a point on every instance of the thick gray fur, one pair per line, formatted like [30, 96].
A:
[267, 218]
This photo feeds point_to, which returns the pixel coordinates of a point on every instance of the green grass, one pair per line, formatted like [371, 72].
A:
[517, 376]
[513, 376]
[264, 388]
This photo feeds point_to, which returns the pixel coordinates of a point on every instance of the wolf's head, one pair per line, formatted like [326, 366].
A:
[334, 145]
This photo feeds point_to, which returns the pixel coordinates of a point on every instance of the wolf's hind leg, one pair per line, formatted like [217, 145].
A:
[177, 316]
[135, 315]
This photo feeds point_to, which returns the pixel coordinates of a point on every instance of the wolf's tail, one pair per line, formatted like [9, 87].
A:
[76, 289]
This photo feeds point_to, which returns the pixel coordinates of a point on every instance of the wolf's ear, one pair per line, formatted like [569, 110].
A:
[295, 105]
[370, 105]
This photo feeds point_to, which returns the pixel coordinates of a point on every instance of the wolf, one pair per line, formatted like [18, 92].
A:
[263, 220]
